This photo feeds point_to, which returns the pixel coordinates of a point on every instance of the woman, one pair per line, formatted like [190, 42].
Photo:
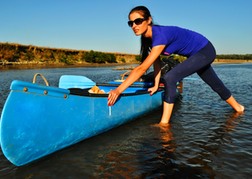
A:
[166, 40]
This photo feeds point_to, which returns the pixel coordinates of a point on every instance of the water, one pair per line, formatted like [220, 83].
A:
[206, 139]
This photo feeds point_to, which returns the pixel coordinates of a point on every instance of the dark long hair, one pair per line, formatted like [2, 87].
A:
[145, 42]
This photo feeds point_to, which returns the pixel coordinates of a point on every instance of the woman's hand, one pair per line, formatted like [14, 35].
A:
[152, 90]
[112, 97]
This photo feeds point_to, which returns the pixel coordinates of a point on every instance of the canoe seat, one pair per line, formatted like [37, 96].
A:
[75, 81]
[79, 91]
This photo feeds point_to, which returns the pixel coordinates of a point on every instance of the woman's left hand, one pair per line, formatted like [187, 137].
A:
[112, 97]
[152, 90]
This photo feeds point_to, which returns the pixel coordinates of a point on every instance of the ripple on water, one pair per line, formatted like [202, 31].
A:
[206, 139]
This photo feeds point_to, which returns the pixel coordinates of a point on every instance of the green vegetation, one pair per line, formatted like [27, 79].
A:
[99, 57]
[235, 56]
[27, 54]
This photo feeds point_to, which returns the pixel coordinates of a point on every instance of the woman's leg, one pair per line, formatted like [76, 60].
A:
[200, 63]
[167, 111]
[209, 76]
[170, 79]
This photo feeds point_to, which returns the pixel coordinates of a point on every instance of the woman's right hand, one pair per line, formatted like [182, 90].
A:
[112, 97]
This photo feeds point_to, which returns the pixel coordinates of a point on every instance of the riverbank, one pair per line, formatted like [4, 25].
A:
[18, 56]
[23, 66]
[231, 61]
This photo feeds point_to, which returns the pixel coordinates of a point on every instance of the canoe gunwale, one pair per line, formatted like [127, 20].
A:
[84, 92]
[29, 87]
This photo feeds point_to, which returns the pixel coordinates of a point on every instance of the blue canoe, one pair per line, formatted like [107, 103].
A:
[38, 120]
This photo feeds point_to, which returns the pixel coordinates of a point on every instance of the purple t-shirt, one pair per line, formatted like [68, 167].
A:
[177, 40]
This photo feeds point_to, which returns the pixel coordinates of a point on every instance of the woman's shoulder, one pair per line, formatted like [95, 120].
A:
[161, 29]
[164, 28]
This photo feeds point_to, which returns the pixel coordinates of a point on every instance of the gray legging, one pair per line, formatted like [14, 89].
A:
[201, 64]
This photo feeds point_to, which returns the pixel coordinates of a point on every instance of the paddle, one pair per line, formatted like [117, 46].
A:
[75, 81]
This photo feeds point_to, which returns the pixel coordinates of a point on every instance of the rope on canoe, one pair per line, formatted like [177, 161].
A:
[125, 74]
[38, 74]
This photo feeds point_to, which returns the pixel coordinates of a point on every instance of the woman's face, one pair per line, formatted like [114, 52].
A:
[141, 28]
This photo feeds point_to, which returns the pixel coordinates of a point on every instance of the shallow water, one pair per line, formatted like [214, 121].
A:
[206, 139]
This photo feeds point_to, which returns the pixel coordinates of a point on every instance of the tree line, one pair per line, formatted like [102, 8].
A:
[235, 56]
[16, 53]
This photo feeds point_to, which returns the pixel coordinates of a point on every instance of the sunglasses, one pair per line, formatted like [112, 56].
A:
[137, 21]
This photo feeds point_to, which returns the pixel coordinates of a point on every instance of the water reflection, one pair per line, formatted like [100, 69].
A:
[233, 120]
[166, 137]
[139, 156]
[207, 160]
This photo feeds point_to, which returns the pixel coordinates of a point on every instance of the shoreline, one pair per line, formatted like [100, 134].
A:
[231, 61]
[24, 66]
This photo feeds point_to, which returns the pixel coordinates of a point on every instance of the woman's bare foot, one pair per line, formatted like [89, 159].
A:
[240, 109]
[164, 126]
[235, 105]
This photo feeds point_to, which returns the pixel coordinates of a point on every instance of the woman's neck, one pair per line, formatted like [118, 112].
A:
[148, 32]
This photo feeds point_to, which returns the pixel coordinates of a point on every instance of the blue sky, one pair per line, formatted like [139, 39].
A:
[101, 25]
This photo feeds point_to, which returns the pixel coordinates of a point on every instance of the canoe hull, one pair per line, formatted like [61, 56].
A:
[39, 120]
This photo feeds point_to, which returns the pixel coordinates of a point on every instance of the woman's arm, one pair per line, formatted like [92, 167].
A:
[136, 73]
[157, 75]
